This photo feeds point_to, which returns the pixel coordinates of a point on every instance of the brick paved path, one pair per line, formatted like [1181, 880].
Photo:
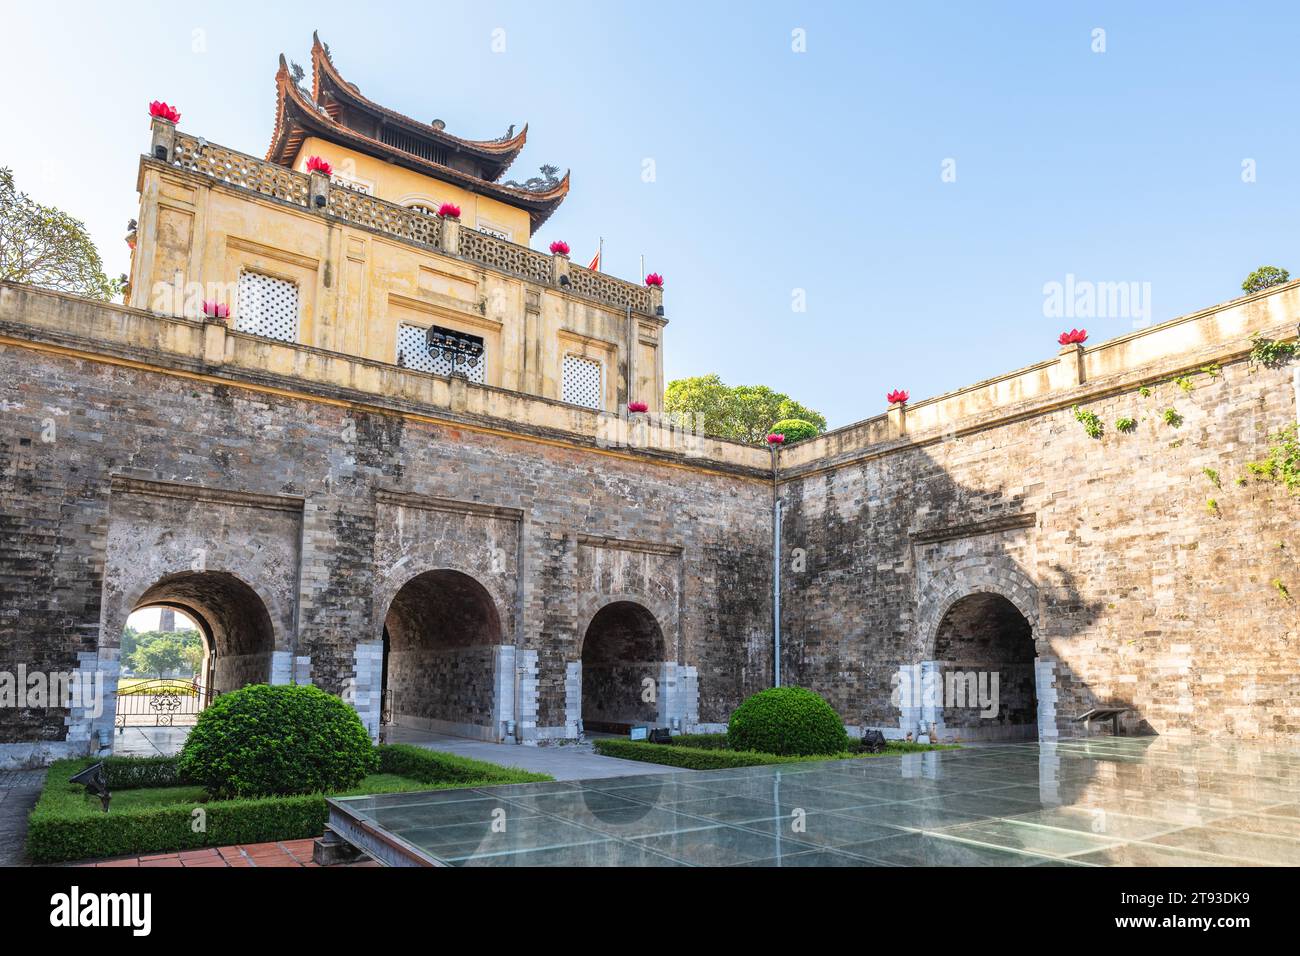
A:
[283, 853]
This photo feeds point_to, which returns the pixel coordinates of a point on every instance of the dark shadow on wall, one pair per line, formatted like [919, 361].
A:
[442, 629]
[893, 562]
[622, 649]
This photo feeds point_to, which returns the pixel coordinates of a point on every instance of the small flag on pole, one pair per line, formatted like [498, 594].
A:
[595, 260]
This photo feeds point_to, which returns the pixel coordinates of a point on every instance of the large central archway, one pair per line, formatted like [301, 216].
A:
[622, 654]
[441, 635]
[984, 648]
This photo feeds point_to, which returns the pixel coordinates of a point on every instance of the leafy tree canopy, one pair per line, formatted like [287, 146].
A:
[43, 246]
[743, 413]
[1264, 277]
[796, 429]
[157, 652]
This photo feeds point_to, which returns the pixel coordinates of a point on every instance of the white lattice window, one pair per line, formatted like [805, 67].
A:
[412, 352]
[581, 382]
[267, 306]
[491, 229]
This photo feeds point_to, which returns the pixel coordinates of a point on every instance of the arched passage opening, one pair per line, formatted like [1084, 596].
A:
[441, 635]
[208, 633]
[622, 654]
[233, 618]
[985, 651]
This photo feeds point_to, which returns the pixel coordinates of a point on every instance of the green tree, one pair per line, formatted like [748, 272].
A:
[1265, 277]
[192, 657]
[158, 656]
[740, 412]
[796, 429]
[43, 246]
[158, 652]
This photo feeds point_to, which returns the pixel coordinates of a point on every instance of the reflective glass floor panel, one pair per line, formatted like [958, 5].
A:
[1149, 801]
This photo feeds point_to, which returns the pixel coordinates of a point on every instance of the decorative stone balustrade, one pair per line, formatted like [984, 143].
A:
[247, 172]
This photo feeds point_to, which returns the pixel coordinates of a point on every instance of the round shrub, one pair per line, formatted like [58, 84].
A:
[262, 741]
[789, 721]
[795, 429]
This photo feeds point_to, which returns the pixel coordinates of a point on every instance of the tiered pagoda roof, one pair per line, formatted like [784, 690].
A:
[336, 111]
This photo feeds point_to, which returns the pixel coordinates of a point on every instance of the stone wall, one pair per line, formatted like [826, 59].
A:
[437, 687]
[322, 486]
[1138, 590]
[336, 498]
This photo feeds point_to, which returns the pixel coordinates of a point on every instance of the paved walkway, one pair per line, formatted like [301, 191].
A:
[292, 853]
[149, 741]
[563, 762]
[18, 792]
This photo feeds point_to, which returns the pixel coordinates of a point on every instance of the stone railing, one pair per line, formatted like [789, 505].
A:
[597, 285]
[506, 256]
[399, 221]
[239, 169]
[316, 193]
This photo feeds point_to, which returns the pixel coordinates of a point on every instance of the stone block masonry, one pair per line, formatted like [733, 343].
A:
[319, 527]
[312, 512]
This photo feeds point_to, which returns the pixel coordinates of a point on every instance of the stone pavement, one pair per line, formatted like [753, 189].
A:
[566, 762]
[18, 792]
[291, 853]
[149, 741]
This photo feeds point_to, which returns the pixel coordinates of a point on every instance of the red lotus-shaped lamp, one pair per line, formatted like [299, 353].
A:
[449, 210]
[775, 439]
[1073, 337]
[317, 165]
[655, 279]
[216, 310]
[161, 110]
[638, 407]
[559, 248]
[897, 397]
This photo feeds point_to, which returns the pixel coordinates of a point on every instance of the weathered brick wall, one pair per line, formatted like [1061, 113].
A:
[336, 460]
[612, 693]
[1134, 590]
[432, 684]
[1138, 591]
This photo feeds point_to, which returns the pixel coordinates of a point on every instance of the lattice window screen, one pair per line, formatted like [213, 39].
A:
[267, 306]
[414, 354]
[581, 384]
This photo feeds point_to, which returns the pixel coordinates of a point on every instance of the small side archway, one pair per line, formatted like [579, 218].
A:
[984, 650]
[623, 651]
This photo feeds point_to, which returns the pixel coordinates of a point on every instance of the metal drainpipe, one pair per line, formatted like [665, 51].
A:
[776, 575]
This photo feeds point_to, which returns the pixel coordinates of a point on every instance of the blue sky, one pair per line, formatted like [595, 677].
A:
[775, 170]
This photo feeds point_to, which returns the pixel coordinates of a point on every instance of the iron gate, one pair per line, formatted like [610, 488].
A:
[167, 702]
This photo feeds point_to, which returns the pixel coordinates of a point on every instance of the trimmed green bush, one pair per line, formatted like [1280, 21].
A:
[55, 835]
[156, 817]
[279, 740]
[128, 773]
[691, 753]
[795, 429]
[687, 757]
[787, 721]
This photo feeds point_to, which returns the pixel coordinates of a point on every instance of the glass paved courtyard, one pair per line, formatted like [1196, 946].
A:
[1108, 801]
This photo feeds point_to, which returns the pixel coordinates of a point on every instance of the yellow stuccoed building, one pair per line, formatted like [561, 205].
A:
[369, 261]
